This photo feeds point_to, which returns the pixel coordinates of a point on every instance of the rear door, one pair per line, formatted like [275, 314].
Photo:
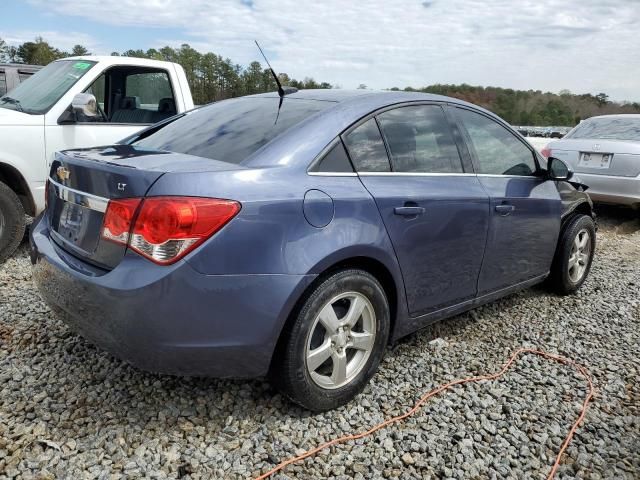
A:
[435, 212]
[525, 209]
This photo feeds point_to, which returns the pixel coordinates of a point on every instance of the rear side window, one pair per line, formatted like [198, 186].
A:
[149, 88]
[231, 130]
[608, 128]
[3, 83]
[334, 161]
[499, 152]
[419, 140]
[366, 148]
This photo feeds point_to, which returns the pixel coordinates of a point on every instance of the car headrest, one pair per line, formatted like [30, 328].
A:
[401, 138]
[130, 103]
[167, 105]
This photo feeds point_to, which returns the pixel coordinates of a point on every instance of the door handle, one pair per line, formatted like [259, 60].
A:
[505, 209]
[408, 211]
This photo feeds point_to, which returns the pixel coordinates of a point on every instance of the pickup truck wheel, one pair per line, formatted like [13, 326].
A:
[12, 222]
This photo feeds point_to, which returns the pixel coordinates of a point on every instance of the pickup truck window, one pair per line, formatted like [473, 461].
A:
[46, 87]
[132, 95]
[231, 130]
[150, 88]
[3, 82]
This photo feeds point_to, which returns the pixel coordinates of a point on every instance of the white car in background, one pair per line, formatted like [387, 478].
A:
[604, 152]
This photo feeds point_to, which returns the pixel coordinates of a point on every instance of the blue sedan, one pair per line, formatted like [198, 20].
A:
[297, 236]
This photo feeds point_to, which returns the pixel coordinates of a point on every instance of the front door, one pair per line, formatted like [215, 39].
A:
[129, 98]
[436, 214]
[525, 208]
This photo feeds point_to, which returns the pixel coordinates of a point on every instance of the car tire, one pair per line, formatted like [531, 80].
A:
[12, 222]
[340, 369]
[574, 255]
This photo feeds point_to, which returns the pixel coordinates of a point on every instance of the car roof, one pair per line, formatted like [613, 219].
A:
[348, 107]
[617, 115]
[373, 96]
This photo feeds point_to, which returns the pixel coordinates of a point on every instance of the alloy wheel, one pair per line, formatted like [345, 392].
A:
[340, 340]
[579, 256]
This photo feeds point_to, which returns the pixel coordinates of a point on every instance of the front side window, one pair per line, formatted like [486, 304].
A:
[231, 130]
[608, 128]
[97, 89]
[46, 87]
[497, 150]
[366, 148]
[3, 83]
[419, 140]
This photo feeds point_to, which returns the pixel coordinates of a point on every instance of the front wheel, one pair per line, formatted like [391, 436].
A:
[12, 222]
[574, 255]
[336, 342]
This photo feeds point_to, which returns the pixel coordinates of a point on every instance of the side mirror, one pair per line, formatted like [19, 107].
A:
[558, 170]
[85, 104]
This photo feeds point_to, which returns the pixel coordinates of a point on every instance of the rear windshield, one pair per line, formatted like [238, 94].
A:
[231, 130]
[613, 128]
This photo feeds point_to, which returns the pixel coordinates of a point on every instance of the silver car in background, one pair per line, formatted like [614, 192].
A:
[604, 152]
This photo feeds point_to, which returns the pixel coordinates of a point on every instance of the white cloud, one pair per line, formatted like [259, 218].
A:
[60, 40]
[582, 45]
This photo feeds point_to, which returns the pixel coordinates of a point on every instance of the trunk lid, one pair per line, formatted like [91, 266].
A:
[81, 183]
[624, 157]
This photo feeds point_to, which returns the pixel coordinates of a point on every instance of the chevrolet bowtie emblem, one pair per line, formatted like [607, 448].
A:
[63, 173]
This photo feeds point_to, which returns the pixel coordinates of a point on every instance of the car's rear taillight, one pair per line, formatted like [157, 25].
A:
[165, 229]
[546, 152]
[118, 219]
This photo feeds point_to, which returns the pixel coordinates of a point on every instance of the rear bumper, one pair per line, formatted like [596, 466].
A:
[168, 319]
[610, 189]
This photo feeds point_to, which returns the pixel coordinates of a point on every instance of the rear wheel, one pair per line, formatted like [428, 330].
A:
[574, 255]
[336, 342]
[12, 222]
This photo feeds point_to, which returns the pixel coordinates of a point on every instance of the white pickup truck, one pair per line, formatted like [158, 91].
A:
[73, 103]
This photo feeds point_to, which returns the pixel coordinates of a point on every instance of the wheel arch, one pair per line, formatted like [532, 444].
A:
[391, 284]
[12, 177]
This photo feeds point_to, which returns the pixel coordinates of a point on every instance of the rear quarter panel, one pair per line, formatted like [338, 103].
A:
[271, 235]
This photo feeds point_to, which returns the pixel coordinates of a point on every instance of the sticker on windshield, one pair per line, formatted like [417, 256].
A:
[81, 65]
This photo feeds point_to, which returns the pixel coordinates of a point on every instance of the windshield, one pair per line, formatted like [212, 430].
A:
[231, 130]
[608, 128]
[40, 92]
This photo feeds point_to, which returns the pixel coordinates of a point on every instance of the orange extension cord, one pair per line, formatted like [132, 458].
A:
[582, 370]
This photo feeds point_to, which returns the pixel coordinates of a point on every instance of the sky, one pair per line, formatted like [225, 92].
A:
[585, 46]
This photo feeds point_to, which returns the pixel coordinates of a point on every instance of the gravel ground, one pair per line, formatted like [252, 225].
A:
[68, 410]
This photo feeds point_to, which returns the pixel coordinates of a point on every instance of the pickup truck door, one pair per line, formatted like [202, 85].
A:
[129, 99]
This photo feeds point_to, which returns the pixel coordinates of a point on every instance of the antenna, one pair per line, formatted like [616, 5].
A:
[282, 91]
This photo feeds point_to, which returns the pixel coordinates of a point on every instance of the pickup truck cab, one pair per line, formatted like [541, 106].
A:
[73, 103]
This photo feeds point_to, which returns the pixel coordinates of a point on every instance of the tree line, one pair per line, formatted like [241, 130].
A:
[534, 107]
[213, 77]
